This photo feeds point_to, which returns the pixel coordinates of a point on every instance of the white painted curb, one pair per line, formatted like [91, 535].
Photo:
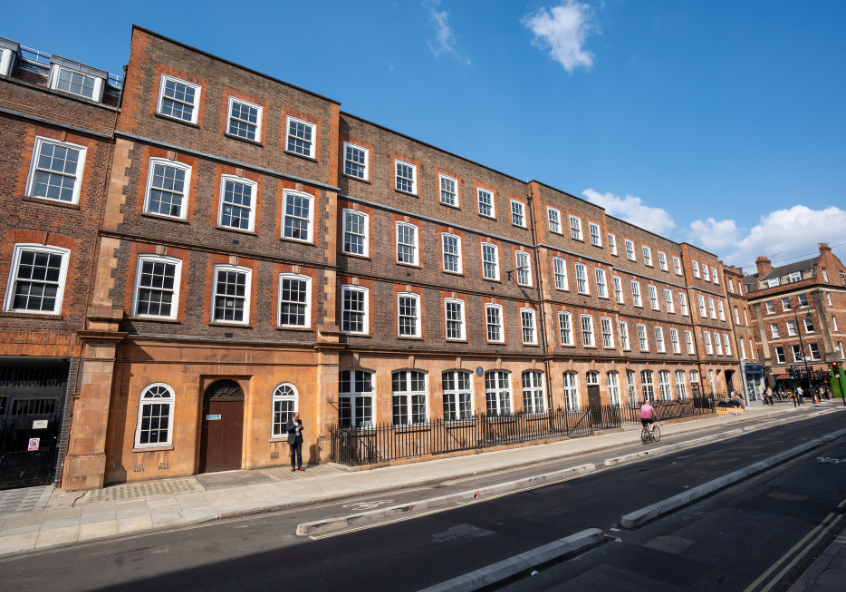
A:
[513, 566]
[640, 517]
[318, 526]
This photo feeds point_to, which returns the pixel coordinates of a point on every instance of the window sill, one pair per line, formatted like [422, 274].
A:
[30, 315]
[153, 449]
[518, 226]
[415, 266]
[577, 239]
[353, 255]
[298, 155]
[406, 192]
[495, 343]
[492, 280]
[563, 290]
[367, 335]
[407, 338]
[446, 205]
[169, 218]
[455, 273]
[296, 240]
[177, 120]
[280, 440]
[354, 178]
[456, 341]
[236, 325]
[531, 345]
[246, 140]
[299, 329]
[154, 320]
[238, 230]
[51, 202]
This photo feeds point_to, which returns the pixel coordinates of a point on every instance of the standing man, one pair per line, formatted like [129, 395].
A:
[295, 441]
[768, 396]
[801, 394]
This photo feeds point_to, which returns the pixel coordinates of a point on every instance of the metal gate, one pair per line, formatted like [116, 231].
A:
[30, 420]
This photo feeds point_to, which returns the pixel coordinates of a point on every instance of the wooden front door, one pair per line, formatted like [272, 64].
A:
[223, 428]
[594, 397]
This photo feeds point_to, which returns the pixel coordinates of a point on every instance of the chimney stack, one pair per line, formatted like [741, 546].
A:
[764, 266]
[824, 248]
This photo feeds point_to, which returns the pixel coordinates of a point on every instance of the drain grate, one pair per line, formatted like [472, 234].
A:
[136, 490]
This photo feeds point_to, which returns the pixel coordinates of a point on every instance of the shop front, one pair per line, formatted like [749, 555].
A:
[754, 382]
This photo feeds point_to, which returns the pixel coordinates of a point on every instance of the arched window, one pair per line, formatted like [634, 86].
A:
[155, 416]
[498, 393]
[613, 389]
[571, 391]
[533, 392]
[458, 400]
[680, 385]
[355, 399]
[592, 378]
[409, 397]
[648, 386]
[284, 405]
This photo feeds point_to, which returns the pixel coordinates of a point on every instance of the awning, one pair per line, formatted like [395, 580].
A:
[754, 368]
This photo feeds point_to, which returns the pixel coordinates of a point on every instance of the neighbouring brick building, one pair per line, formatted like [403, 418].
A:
[799, 312]
[246, 249]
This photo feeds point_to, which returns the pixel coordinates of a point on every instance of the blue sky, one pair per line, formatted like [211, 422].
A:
[720, 123]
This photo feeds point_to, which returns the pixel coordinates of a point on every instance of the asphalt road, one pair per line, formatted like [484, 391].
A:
[262, 552]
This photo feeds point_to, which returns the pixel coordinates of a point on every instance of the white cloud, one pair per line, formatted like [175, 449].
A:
[784, 235]
[563, 29]
[632, 209]
[713, 235]
[444, 35]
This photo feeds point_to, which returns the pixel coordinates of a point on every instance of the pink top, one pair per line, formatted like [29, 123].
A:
[646, 411]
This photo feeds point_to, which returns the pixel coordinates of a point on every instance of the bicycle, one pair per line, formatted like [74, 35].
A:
[654, 436]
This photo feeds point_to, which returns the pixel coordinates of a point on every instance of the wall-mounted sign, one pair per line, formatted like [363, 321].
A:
[212, 417]
[39, 424]
[33, 444]
[479, 371]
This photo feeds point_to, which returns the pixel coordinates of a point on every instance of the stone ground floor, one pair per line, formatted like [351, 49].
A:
[156, 409]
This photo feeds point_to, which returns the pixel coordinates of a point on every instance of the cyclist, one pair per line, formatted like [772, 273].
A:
[647, 415]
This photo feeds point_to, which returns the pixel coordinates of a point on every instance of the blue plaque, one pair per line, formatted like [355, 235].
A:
[479, 371]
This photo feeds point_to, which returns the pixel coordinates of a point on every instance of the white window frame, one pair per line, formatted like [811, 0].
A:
[8, 304]
[55, 74]
[770, 306]
[806, 322]
[601, 282]
[368, 380]
[683, 304]
[703, 311]
[462, 321]
[726, 344]
[557, 222]
[495, 263]
[479, 191]
[659, 339]
[416, 258]
[636, 298]
[718, 344]
[253, 197]
[413, 167]
[365, 237]
[500, 325]
[731, 285]
[695, 265]
[794, 277]
[721, 310]
[171, 401]
[463, 408]
[366, 320]
[772, 283]
[715, 276]
[613, 388]
[711, 308]
[588, 332]
[612, 243]
[576, 230]
[803, 300]
[642, 337]
[259, 108]
[584, 278]
[705, 274]
[834, 324]
[497, 393]
[595, 237]
[571, 391]
[528, 313]
[559, 270]
[618, 290]
[736, 316]
[287, 194]
[677, 265]
[774, 331]
[828, 298]
[647, 256]
[565, 327]
[709, 349]
[674, 340]
[444, 236]
[781, 358]
[521, 214]
[185, 195]
[688, 339]
[665, 385]
[195, 113]
[668, 301]
[662, 261]
[248, 286]
[33, 169]
[299, 277]
[177, 280]
[417, 318]
[607, 333]
[288, 135]
[366, 164]
[441, 177]
[409, 395]
[279, 396]
[825, 275]
[791, 328]
[631, 254]
[681, 387]
[528, 273]
[624, 336]
[653, 297]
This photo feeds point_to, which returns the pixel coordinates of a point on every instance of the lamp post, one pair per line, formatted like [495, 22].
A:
[802, 345]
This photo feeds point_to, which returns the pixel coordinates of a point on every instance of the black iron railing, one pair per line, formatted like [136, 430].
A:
[386, 442]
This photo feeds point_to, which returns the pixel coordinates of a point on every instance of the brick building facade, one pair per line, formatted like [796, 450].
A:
[259, 251]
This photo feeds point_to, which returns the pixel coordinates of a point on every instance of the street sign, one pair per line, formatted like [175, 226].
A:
[33, 444]
[39, 424]
[212, 417]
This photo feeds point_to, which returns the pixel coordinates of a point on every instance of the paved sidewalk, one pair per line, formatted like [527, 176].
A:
[136, 507]
[828, 572]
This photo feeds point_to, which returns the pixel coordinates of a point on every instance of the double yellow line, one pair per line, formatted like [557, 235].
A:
[773, 575]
